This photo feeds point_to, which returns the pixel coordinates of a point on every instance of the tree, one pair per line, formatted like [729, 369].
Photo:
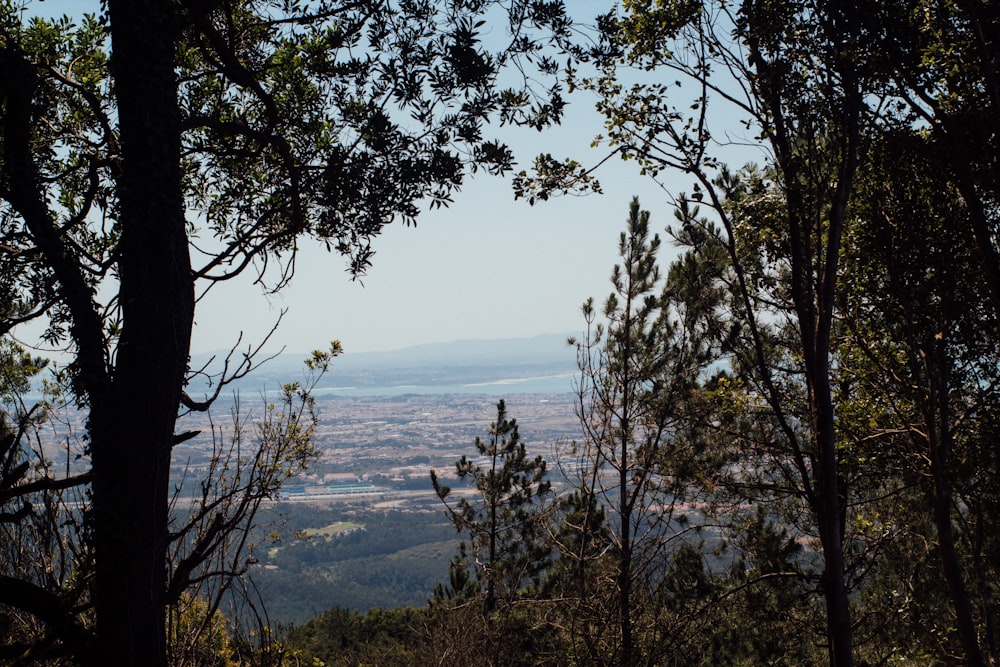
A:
[819, 84]
[197, 635]
[577, 578]
[507, 548]
[50, 562]
[793, 73]
[161, 147]
[924, 332]
[938, 65]
[639, 366]
[39, 504]
[210, 548]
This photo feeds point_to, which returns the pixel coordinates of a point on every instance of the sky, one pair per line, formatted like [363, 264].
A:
[487, 267]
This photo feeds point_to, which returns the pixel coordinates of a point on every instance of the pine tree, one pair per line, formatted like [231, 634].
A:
[638, 369]
[506, 549]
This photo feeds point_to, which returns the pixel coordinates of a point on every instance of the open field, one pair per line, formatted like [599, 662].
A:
[333, 529]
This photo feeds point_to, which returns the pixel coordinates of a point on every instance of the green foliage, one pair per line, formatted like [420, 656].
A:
[921, 367]
[836, 313]
[18, 370]
[551, 177]
[395, 559]
[340, 637]
[793, 73]
[158, 148]
[789, 438]
[506, 548]
[358, 116]
[642, 365]
[581, 540]
[852, 285]
[197, 635]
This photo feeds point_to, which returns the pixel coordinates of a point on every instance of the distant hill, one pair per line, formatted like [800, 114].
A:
[440, 364]
[546, 348]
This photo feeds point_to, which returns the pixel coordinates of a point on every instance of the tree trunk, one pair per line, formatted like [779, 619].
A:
[939, 447]
[838, 615]
[626, 658]
[132, 439]
[813, 298]
[964, 620]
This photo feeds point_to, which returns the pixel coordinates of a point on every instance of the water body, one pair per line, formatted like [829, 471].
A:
[549, 384]
[562, 383]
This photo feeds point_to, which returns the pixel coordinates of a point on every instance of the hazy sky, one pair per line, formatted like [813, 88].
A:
[487, 267]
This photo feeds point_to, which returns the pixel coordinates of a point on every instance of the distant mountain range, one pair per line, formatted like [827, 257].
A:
[546, 348]
[461, 362]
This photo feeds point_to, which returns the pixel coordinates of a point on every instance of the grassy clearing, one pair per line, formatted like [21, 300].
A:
[332, 530]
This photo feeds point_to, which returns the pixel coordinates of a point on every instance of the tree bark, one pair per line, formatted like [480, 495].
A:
[21, 187]
[831, 533]
[131, 440]
[964, 619]
[939, 441]
[815, 258]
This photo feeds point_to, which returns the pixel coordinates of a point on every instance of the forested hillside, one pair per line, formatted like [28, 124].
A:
[371, 559]
[788, 447]
[788, 405]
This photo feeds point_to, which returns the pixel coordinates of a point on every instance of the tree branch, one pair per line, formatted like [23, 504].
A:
[50, 609]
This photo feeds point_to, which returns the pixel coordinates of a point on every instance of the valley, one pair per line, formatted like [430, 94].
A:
[372, 474]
